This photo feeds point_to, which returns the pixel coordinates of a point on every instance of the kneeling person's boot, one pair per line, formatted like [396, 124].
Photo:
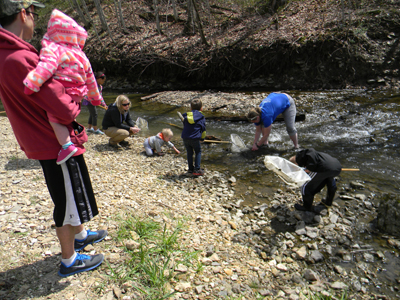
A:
[330, 195]
[307, 204]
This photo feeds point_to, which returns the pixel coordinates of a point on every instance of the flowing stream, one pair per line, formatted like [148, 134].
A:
[360, 128]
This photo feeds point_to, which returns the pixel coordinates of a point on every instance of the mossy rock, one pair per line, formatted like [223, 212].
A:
[389, 214]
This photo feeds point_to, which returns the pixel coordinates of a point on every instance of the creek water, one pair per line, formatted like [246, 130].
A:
[360, 128]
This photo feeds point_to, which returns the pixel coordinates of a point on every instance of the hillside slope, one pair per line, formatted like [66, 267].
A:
[305, 45]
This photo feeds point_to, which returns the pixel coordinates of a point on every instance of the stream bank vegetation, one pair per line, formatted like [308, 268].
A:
[154, 256]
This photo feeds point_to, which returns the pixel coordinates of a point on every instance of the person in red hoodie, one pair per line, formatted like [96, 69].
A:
[68, 183]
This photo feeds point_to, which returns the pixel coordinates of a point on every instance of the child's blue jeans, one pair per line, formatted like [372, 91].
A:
[193, 146]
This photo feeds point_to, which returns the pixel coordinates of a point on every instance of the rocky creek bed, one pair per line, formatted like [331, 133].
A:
[268, 251]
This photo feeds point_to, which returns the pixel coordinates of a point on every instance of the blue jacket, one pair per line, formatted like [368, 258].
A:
[194, 125]
[271, 107]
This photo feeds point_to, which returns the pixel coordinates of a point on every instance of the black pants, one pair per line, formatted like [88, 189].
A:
[316, 184]
[71, 191]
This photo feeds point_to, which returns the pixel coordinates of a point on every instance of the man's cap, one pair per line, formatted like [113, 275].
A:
[12, 7]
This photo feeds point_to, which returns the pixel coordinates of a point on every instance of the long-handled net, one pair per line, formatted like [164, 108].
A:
[290, 173]
[237, 144]
[142, 123]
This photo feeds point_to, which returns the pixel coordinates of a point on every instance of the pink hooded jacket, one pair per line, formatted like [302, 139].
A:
[62, 57]
[28, 115]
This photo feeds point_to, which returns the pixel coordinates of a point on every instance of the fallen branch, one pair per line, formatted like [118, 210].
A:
[150, 96]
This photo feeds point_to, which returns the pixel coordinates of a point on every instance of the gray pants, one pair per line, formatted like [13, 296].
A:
[289, 116]
[147, 148]
[92, 115]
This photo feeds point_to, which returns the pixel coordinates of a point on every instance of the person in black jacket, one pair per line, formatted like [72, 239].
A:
[113, 122]
[194, 131]
[322, 169]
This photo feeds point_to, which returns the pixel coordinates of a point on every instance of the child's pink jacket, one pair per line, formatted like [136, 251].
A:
[62, 57]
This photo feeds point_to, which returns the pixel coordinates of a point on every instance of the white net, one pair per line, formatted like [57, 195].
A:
[142, 123]
[290, 173]
[237, 144]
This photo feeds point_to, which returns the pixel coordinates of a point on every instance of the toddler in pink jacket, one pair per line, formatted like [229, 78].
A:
[62, 57]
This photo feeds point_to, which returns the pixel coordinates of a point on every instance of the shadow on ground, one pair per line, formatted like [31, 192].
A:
[22, 163]
[38, 279]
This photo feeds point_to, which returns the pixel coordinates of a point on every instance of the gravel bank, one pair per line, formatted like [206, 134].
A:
[125, 182]
[238, 256]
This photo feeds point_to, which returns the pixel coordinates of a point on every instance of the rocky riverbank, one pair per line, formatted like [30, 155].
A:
[245, 251]
[226, 104]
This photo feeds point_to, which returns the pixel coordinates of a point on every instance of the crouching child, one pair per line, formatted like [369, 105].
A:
[153, 144]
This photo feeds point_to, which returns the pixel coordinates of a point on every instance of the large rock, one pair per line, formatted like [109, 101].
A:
[389, 214]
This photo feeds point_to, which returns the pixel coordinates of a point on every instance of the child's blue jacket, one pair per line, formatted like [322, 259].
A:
[194, 125]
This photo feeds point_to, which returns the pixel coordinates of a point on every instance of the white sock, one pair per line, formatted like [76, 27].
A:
[81, 235]
[69, 261]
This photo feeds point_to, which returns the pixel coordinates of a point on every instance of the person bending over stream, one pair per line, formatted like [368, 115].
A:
[322, 169]
[264, 115]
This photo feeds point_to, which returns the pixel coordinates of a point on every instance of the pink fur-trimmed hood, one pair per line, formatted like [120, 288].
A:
[63, 29]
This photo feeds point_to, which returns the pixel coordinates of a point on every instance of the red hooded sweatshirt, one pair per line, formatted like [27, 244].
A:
[28, 114]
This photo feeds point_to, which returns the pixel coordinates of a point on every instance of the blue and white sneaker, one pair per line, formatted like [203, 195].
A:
[92, 238]
[90, 130]
[98, 131]
[81, 263]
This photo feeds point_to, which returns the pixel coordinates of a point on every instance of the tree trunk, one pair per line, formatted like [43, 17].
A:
[342, 3]
[176, 17]
[189, 27]
[200, 27]
[120, 18]
[80, 12]
[91, 22]
[102, 18]
[117, 15]
[155, 3]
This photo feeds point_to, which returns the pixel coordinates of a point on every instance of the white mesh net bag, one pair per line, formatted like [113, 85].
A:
[142, 123]
[290, 173]
[237, 144]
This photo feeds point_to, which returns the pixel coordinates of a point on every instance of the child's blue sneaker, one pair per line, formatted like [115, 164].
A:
[81, 263]
[92, 238]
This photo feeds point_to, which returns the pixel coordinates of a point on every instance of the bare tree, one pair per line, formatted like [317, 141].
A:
[117, 15]
[176, 17]
[102, 18]
[91, 22]
[79, 11]
[155, 3]
[118, 10]
[189, 25]
[200, 26]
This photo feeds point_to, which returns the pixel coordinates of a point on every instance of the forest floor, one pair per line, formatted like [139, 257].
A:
[303, 45]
